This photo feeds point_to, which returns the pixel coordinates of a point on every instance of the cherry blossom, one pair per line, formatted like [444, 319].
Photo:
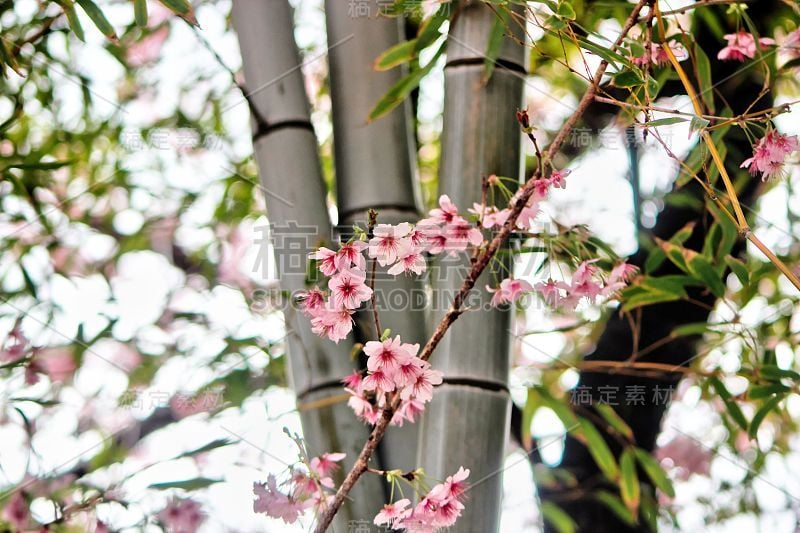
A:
[181, 516]
[312, 301]
[393, 513]
[410, 260]
[387, 355]
[509, 291]
[550, 291]
[328, 262]
[333, 323]
[16, 346]
[422, 387]
[439, 508]
[687, 455]
[351, 254]
[348, 289]
[325, 464]
[446, 212]
[385, 244]
[274, 503]
[769, 154]
[658, 56]
[16, 511]
[741, 46]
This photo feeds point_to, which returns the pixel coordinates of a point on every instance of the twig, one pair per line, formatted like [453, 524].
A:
[516, 206]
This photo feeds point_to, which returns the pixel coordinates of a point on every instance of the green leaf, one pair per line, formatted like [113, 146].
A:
[39, 165]
[704, 79]
[769, 406]
[140, 12]
[74, 22]
[566, 10]
[213, 445]
[701, 268]
[183, 9]
[651, 290]
[695, 328]
[629, 482]
[764, 391]
[666, 121]
[775, 373]
[654, 471]
[598, 449]
[614, 420]
[402, 89]
[733, 410]
[99, 19]
[185, 484]
[616, 505]
[429, 29]
[396, 55]
[698, 124]
[739, 268]
[610, 57]
[495, 43]
[531, 404]
[628, 78]
[555, 516]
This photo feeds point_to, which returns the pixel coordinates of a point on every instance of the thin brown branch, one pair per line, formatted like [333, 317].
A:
[516, 206]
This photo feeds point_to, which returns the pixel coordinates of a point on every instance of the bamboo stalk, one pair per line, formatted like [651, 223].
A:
[468, 419]
[286, 152]
[375, 168]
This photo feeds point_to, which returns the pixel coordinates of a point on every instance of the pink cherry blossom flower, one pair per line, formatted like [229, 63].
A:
[385, 244]
[509, 291]
[791, 43]
[408, 371]
[422, 387]
[181, 516]
[328, 263]
[540, 188]
[550, 291]
[325, 464]
[489, 216]
[408, 410]
[460, 234]
[769, 154]
[312, 301]
[16, 511]
[658, 56]
[410, 259]
[527, 217]
[353, 381]
[741, 46]
[446, 211]
[387, 355]
[350, 254]
[363, 408]
[559, 178]
[454, 486]
[333, 323]
[274, 503]
[380, 380]
[686, 455]
[619, 277]
[16, 346]
[393, 513]
[348, 289]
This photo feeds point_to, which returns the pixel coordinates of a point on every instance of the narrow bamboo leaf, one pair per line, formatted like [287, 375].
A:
[764, 391]
[614, 420]
[555, 516]
[495, 44]
[733, 410]
[566, 10]
[769, 406]
[562, 411]
[655, 472]
[39, 165]
[598, 448]
[213, 445]
[396, 55]
[677, 254]
[183, 9]
[140, 12]
[666, 121]
[703, 66]
[612, 58]
[616, 505]
[775, 373]
[74, 22]
[429, 30]
[695, 328]
[629, 482]
[702, 269]
[402, 89]
[628, 78]
[185, 484]
[99, 19]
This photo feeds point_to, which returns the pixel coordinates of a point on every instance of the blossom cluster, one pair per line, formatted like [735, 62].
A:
[770, 153]
[391, 366]
[584, 283]
[303, 490]
[742, 46]
[439, 508]
[658, 55]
